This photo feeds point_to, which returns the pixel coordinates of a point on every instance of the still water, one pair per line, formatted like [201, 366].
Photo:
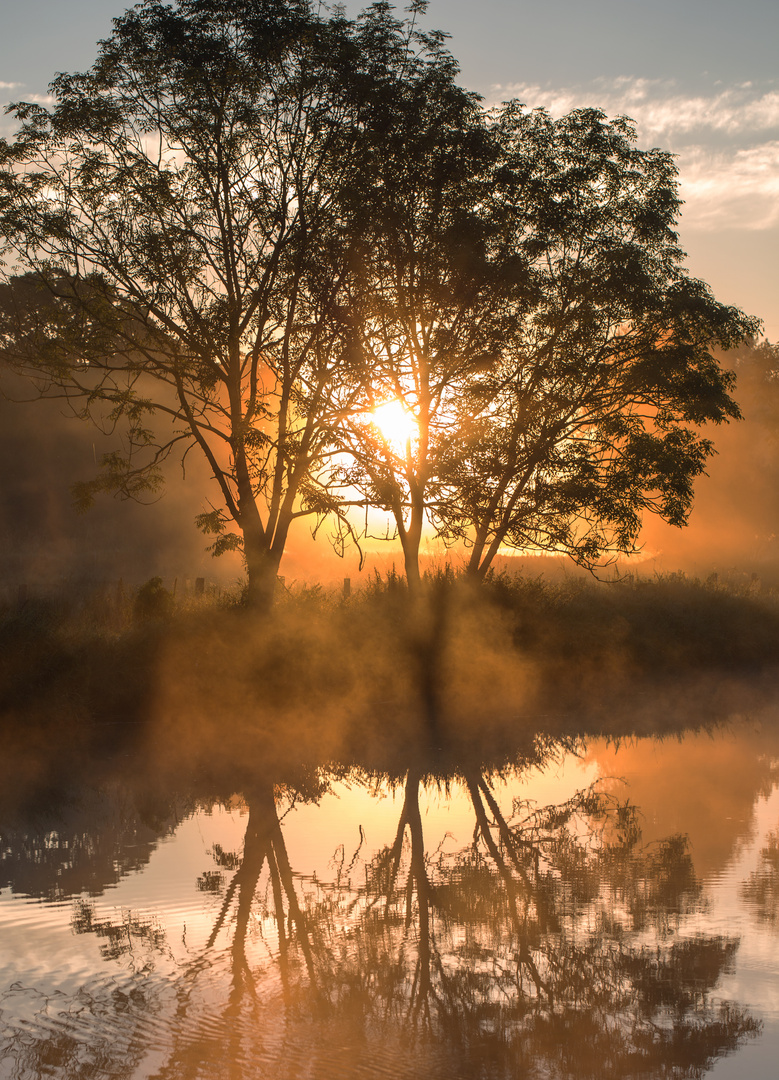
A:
[606, 912]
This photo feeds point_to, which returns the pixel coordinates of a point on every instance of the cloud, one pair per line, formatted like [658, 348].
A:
[726, 141]
[658, 108]
[8, 124]
[737, 190]
[10, 85]
[728, 113]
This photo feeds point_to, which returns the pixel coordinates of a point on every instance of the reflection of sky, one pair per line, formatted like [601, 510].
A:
[312, 833]
[718, 791]
[39, 945]
[703, 787]
[699, 78]
[754, 982]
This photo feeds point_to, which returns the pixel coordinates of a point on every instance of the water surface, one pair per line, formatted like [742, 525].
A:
[604, 912]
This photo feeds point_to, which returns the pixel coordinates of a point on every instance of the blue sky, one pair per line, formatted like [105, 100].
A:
[700, 78]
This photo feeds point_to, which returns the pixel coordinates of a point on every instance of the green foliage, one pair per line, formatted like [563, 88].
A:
[118, 477]
[182, 273]
[588, 419]
[214, 523]
[522, 292]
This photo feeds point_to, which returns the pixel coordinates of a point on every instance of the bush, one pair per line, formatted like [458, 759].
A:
[153, 601]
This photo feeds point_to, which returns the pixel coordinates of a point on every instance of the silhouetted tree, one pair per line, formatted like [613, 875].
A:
[591, 416]
[529, 307]
[176, 219]
[423, 315]
[250, 224]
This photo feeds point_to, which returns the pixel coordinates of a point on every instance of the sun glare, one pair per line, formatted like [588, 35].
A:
[396, 424]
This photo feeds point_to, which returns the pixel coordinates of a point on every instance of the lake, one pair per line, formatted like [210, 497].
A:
[593, 909]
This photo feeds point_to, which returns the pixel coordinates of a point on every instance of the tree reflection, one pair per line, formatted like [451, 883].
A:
[87, 840]
[551, 939]
[553, 944]
[761, 889]
[121, 936]
[100, 1034]
[220, 1041]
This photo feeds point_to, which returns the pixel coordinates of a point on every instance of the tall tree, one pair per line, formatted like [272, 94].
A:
[420, 321]
[591, 416]
[529, 306]
[171, 223]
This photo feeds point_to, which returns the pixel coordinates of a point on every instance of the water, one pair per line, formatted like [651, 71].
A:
[607, 913]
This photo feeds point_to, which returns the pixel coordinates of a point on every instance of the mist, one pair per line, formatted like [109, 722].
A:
[121, 721]
[331, 804]
[734, 524]
[48, 546]
[733, 528]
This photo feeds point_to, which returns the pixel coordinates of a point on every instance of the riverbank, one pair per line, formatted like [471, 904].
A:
[478, 671]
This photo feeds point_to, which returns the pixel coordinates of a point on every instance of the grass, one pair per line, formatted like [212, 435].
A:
[208, 686]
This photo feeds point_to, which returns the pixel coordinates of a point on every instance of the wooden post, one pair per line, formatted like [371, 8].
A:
[347, 588]
[200, 586]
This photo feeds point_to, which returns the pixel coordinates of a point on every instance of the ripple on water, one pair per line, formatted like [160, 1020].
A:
[153, 976]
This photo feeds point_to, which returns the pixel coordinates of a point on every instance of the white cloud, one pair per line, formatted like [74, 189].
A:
[9, 125]
[726, 142]
[736, 190]
[657, 107]
[10, 85]
[727, 113]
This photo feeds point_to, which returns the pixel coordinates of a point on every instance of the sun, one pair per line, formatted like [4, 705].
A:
[395, 423]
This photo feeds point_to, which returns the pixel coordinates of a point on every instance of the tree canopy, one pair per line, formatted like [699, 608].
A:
[535, 318]
[591, 416]
[250, 224]
[177, 219]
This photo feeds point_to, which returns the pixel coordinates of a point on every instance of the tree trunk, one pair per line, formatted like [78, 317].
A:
[411, 538]
[262, 568]
[411, 565]
[473, 568]
[263, 546]
[476, 570]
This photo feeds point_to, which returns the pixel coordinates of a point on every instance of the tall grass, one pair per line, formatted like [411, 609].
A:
[463, 670]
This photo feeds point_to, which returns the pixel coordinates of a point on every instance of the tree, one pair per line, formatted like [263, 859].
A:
[249, 225]
[423, 316]
[538, 323]
[591, 416]
[172, 225]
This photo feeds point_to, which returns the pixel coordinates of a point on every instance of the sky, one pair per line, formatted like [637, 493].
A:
[699, 77]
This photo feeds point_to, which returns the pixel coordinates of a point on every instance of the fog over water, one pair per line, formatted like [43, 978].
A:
[529, 829]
